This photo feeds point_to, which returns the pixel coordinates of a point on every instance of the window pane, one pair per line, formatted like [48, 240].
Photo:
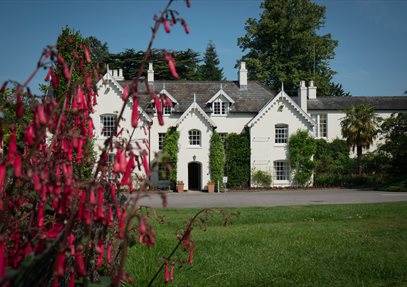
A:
[166, 110]
[194, 137]
[161, 137]
[281, 170]
[108, 124]
[281, 134]
[224, 108]
[323, 126]
[216, 108]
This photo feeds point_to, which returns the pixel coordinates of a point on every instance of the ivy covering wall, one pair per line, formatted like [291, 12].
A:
[301, 148]
[170, 149]
[237, 165]
[216, 158]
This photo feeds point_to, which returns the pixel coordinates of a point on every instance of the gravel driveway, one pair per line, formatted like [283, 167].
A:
[274, 198]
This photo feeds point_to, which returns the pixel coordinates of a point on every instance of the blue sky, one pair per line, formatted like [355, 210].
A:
[371, 59]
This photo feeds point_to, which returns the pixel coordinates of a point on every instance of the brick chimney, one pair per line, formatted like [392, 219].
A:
[302, 96]
[242, 76]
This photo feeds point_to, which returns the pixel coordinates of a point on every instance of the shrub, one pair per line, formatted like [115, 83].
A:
[261, 178]
[170, 150]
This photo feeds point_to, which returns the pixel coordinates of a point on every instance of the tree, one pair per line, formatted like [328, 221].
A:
[187, 62]
[301, 148]
[284, 45]
[99, 51]
[209, 70]
[394, 131]
[216, 158]
[359, 128]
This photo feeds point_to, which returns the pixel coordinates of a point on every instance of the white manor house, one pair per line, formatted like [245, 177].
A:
[202, 107]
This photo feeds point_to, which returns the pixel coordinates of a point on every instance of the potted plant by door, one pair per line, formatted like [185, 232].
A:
[211, 186]
[180, 186]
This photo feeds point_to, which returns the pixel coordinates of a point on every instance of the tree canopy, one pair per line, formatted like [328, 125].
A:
[359, 128]
[187, 62]
[209, 70]
[283, 45]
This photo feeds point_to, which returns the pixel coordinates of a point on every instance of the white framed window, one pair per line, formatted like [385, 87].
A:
[323, 125]
[108, 122]
[194, 137]
[220, 108]
[281, 134]
[161, 137]
[167, 110]
[281, 170]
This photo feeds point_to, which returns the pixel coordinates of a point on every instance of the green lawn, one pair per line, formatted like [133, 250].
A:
[324, 245]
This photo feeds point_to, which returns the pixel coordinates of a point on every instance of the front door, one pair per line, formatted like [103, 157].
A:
[194, 176]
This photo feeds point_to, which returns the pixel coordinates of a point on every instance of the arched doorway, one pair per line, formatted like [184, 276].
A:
[194, 175]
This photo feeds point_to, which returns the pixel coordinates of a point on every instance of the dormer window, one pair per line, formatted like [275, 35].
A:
[167, 110]
[220, 108]
[220, 103]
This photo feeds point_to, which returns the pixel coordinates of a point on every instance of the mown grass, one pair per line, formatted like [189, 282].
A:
[324, 245]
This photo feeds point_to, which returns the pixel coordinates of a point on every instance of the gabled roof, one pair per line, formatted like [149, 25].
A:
[108, 77]
[195, 107]
[272, 102]
[165, 92]
[246, 101]
[221, 92]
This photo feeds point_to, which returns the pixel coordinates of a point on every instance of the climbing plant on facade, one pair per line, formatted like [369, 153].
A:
[237, 165]
[216, 158]
[170, 149]
[301, 148]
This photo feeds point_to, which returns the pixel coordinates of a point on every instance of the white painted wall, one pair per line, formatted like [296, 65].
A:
[186, 154]
[334, 125]
[264, 150]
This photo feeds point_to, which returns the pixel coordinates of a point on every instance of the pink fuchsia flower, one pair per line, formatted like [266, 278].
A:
[60, 264]
[125, 93]
[171, 65]
[87, 57]
[166, 273]
[135, 114]
[185, 25]
[80, 263]
[166, 27]
[48, 76]
[188, 3]
[19, 107]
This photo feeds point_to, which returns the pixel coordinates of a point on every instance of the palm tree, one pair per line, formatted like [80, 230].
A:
[359, 128]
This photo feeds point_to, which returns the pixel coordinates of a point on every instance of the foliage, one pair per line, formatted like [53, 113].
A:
[237, 165]
[359, 128]
[394, 134]
[130, 60]
[58, 226]
[209, 70]
[284, 46]
[332, 158]
[301, 148]
[170, 148]
[261, 178]
[216, 158]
